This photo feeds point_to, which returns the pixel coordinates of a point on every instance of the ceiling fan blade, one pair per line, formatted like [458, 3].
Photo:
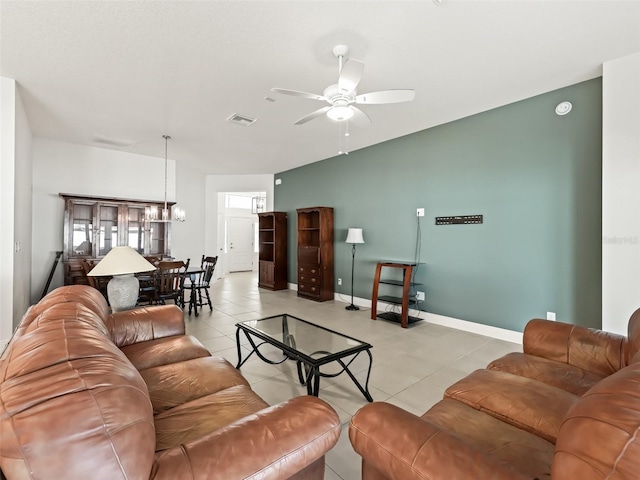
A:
[350, 75]
[313, 115]
[386, 96]
[296, 93]
[359, 118]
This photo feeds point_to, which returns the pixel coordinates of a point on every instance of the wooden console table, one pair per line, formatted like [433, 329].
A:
[407, 271]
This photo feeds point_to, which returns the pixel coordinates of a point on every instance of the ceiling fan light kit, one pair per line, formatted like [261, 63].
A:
[340, 113]
[342, 96]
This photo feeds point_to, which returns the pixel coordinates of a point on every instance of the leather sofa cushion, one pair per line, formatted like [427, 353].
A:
[90, 298]
[197, 418]
[600, 436]
[63, 333]
[602, 353]
[524, 403]
[178, 383]
[71, 403]
[524, 451]
[561, 375]
[164, 351]
[142, 324]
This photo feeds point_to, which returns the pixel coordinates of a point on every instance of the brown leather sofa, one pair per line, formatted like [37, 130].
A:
[567, 407]
[86, 394]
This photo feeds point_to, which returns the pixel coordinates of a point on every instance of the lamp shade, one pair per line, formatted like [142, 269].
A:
[121, 261]
[354, 236]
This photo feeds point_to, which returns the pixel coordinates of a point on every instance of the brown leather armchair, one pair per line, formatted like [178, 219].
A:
[566, 408]
[88, 394]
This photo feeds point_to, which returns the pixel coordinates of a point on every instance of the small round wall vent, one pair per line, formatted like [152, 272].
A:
[563, 108]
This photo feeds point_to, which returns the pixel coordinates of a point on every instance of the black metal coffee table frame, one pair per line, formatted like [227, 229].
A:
[311, 365]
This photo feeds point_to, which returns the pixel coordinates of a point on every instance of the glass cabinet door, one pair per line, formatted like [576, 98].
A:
[157, 238]
[81, 230]
[108, 221]
[136, 229]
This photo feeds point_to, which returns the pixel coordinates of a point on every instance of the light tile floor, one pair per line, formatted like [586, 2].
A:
[411, 367]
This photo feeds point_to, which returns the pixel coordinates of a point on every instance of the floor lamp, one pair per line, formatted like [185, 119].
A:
[353, 236]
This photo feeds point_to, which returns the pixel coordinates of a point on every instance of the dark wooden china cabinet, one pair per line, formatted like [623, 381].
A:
[93, 225]
[315, 253]
[272, 243]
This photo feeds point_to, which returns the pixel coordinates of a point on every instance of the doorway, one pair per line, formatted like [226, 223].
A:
[241, 244]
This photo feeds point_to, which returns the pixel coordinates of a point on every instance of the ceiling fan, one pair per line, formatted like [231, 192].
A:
[342, 96]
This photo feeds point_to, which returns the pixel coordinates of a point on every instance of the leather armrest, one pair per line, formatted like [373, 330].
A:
[403, 446]
[146, 323]
[274, 443]
[587, 348]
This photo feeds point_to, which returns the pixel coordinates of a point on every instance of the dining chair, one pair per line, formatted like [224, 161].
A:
[153, 259]
[99, 283]
[169, 282]
[200, 282]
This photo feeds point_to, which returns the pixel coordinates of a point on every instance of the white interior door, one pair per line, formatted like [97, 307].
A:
[221, 267]
[240, 251]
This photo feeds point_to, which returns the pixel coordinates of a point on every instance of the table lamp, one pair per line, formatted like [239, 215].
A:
[123, 288]
[353, 236]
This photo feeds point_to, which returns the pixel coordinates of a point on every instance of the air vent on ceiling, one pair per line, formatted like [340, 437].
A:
[241, 120]
[115, 142]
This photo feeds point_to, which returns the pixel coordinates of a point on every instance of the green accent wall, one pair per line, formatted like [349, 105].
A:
[535, 176]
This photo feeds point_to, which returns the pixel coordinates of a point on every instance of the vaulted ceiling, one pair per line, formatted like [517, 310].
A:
[102, 71]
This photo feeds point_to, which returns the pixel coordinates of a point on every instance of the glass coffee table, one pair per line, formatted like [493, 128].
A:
[309, 345]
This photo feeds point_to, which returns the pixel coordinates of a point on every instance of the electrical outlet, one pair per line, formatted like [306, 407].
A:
[551, 316]
[420, 212]
[339, 281]
[419, 295]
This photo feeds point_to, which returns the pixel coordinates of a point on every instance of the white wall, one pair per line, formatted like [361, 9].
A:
[15, 209]
[230, 183]
[23, 214]
[60, 167]
[7, 203]
[620, 192]
[188, 237]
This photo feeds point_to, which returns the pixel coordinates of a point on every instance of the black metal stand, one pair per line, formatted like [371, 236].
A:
[353, 260]
[46, 287]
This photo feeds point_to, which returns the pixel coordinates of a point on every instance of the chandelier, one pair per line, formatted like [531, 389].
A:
[151, 212]
[258, 204]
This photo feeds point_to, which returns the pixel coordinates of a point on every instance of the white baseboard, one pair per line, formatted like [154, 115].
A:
[464, 325]
[473, 327]
[459, 324]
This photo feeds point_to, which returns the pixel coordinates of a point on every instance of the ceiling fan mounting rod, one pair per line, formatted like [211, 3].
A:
[340, 51]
